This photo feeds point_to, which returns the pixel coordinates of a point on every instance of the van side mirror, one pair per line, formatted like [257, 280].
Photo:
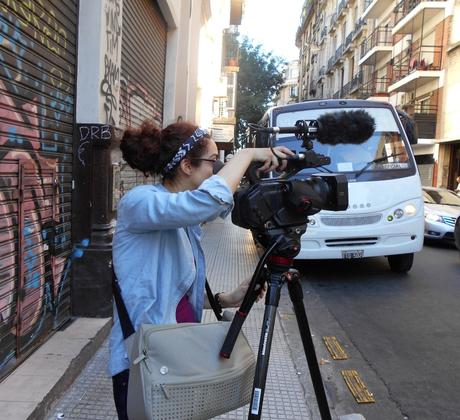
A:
[409, 126]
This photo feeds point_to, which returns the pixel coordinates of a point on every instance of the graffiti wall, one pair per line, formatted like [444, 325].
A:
[37, 77]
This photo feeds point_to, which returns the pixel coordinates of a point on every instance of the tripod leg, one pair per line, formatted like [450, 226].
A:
[296, 295]
[271, 303]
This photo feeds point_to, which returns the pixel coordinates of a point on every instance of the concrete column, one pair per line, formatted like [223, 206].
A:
[97, 117]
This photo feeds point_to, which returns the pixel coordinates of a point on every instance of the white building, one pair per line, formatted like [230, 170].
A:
[289, 91]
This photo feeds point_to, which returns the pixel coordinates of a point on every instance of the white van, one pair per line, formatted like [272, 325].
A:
[385, 212]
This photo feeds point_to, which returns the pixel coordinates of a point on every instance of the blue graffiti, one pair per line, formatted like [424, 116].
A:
[78, 252]
[61, 101]
[31, 259]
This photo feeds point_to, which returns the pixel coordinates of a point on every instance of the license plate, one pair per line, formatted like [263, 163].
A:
[349, 255]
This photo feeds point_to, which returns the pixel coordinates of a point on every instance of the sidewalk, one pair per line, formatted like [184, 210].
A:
[231, 257]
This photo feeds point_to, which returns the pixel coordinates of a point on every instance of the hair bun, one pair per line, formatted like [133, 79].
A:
[140, 147]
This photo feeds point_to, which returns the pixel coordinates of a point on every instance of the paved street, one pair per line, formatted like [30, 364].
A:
[401, 332]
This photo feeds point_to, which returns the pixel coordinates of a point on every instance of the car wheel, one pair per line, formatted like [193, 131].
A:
[401, 263]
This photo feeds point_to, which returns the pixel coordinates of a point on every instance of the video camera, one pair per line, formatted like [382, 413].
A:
[276, 207]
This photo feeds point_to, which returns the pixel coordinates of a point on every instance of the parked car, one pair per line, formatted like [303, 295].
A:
[457, 233]
[442, 209]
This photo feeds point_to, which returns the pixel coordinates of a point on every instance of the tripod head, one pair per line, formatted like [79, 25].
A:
[280, 208]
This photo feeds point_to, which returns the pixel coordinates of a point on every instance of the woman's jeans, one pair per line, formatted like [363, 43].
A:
[120, 393]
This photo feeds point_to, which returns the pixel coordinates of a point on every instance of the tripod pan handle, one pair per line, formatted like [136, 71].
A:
[232, 335]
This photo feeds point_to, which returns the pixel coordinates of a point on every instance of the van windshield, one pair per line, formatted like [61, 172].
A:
[382, 156]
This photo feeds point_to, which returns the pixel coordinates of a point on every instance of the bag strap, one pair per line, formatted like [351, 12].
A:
[127, 326]
[214, 305]
[212, 302]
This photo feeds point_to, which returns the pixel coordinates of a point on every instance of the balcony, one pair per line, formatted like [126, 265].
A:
[376, 46]
[337, 95]
[356, 82]
[349, 39]
[230, 47]
[312, 90]
[411, 15]
[425, 120]
[342, 8]
[359, 26]
[338, 54]
[322, 72]
[375, 8]
[346, 89]
[330, 64]
[332, 22]
[323, 34]
[414, 70]
[375, 87]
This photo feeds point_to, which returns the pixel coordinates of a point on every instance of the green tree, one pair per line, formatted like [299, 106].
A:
[259, 80]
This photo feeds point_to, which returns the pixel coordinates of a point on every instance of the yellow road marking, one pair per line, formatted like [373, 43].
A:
[357, 387]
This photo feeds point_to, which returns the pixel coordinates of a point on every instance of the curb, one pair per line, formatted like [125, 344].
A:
[31, 390]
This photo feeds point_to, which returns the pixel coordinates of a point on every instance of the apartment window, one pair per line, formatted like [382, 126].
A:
[293, 73]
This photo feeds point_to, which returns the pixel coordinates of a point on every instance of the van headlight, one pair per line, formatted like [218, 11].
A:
[398, 213]
[410, 209]
[403, 211]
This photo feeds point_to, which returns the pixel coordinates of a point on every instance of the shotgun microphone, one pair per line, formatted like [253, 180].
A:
[352, 127]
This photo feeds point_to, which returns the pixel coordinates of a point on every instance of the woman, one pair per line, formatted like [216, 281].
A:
[157, 255]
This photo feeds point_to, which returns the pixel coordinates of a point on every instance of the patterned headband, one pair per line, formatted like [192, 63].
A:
[185, 148]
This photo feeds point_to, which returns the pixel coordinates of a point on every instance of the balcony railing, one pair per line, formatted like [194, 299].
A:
[322, 71]
[404, 7]
[333, 21]
[381, 37]
[230, 49]
[359, 25]
[342, 7]
[349, 39]
[330, 64]
[323, 33]
[312, 90]
[338, 53]
[423, 58]
[356, 82]
[425, 117]
[337, 95]
[375, 86]
[346, 89]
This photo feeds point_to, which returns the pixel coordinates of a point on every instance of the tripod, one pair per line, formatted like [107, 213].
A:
[278, 271]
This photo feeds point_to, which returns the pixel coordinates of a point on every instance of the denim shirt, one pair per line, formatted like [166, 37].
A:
[157, 254]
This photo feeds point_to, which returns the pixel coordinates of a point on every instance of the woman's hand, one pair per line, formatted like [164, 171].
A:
[271, 158]
[234, 298]
[234, 169]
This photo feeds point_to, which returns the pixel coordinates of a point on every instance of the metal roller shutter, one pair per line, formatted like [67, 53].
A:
[37, 78]
[143, 58]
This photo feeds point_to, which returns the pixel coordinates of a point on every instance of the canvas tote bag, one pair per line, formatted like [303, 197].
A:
[176, 372]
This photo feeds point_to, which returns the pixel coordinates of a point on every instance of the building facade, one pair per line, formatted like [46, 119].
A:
[218, 72]
[73, 75]
[289, 91]
[399, 51]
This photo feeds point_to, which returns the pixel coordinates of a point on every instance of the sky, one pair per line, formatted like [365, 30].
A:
[273, 23]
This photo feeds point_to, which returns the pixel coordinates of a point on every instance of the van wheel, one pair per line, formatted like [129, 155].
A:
[401, 263]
